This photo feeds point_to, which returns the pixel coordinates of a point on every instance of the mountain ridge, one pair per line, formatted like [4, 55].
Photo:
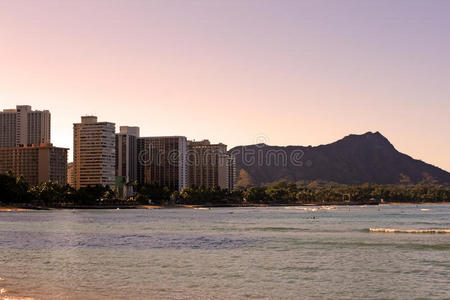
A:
[354, 159]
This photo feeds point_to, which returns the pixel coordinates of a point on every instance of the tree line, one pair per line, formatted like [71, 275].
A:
[15, 191]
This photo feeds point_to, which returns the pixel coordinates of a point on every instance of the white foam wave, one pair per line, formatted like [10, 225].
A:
[393, 230]
[324, 207]
[302, 208]
[328, 207]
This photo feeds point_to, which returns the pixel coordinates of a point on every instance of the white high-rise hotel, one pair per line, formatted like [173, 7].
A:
[94, 155]
[23, 126]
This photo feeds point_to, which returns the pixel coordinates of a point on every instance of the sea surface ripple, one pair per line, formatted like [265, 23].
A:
[346, 252]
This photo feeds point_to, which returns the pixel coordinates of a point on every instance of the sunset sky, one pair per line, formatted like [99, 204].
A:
[296, 72]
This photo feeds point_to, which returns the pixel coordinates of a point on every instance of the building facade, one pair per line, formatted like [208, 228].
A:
[24, 126]
[94, 159]
[162, 161]
[36, 163]
[126, 152]
[209, 165]
[70, 175]
[126, 160]
[231, 169]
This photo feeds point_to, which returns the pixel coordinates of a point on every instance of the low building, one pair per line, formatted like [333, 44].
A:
[36, 164]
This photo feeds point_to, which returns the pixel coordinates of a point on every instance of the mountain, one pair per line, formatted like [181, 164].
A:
[355, 159]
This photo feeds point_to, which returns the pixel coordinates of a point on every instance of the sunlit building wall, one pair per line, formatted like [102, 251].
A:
[36, 163]
[24, 126]
[94, 156]
[209, 165]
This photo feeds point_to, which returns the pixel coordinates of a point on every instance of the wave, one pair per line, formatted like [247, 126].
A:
[281, 229]
[323, 207]
[393, 230]
[302, 208]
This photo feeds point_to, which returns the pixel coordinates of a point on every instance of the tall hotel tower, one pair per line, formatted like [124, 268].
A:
[210, 165]
[93, 152]
[126, 152]
[25, 148]
[162, 160]
[23, 126]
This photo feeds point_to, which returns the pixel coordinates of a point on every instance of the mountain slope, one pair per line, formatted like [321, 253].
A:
[355, 159]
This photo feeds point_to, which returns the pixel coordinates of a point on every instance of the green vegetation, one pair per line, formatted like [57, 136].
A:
[15, 191]
[317, 192]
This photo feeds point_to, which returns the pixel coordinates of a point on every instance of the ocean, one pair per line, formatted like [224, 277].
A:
[227, 253]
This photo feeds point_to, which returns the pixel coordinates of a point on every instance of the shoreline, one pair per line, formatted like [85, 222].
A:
[18, 208]
[14, 208]
[422, 203]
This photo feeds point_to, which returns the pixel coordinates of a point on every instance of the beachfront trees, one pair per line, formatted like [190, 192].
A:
[48, 193]
[7, 189]
[141, 199]
[255, 194]
[203, 196]
[14, 190]
[305, 195]
[154, 192]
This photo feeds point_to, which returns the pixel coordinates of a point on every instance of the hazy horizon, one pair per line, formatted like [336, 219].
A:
[293, 72]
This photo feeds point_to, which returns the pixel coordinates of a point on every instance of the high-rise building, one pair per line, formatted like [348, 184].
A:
[162, 161]
[36, 163]
[93, 152]
[209, 165]
[231, 169]
[70, 175]
[24, 126]
[126, 152]
[126, 160]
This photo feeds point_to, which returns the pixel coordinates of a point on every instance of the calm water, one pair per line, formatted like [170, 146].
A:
[225, 253]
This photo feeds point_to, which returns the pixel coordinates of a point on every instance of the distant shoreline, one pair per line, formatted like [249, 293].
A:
[412, 203]
[13, 208]
[10, 208]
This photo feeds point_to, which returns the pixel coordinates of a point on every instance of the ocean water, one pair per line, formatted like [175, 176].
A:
[226, 253]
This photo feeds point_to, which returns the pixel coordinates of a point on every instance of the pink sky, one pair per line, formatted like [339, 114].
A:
[296, 72]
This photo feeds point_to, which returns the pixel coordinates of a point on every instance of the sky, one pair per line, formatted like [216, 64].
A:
[236, 71]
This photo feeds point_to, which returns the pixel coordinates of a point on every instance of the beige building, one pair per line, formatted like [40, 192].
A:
[24, 126]
[162, 161]
[36, 164]
[209, 165]
[93, 152]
